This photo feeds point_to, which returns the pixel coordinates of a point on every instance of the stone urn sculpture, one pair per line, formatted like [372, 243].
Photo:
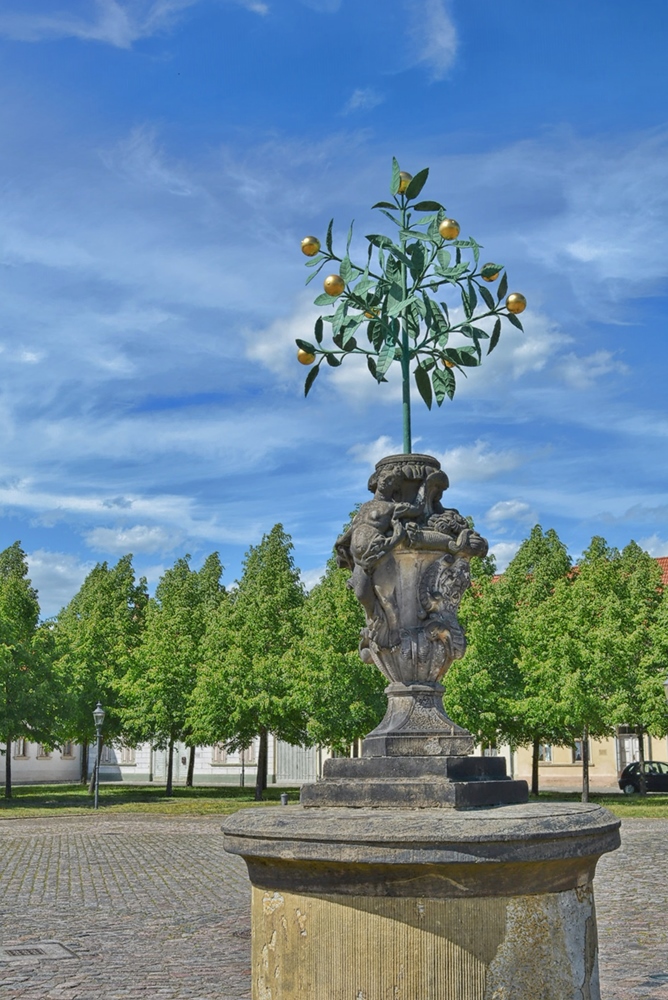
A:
[409, 558]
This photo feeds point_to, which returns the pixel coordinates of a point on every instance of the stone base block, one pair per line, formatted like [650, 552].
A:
[414, 783]
[330, 947]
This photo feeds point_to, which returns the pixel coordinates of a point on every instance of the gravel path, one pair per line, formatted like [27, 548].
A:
[154, 908]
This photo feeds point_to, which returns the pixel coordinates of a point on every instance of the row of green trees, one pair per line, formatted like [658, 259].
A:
[196, 663]
[561, 652]
[556, 653]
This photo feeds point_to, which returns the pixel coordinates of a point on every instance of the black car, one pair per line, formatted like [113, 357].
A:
[656, 777]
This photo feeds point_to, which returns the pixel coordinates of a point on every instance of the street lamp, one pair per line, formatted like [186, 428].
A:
[98, 716]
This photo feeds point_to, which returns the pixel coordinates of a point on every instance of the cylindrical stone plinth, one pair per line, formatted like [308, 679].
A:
[428, 904]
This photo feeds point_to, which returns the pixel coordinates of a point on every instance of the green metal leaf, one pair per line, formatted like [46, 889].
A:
[502, 290]
[350, 344]
[371, 365]
[439, 380]
[333, 361]
[385, 204]
[395, 183]
[310, 379]
[487, 296]
[428, 206]
[323, 300]
[318, 329]
[385, 357]
[378, 240]
[350, 236]
[346, 269]
[328, 238]
[473, 298]
[315, 261]
[495, 336]
[416, 185]
[423, 382]
[514, 320]
[444, 257]
[491, 270]
[305, 346]
[395, 308]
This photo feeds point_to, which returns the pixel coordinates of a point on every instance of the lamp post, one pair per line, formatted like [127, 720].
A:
[98, 716]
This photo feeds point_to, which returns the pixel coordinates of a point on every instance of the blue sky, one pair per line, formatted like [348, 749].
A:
[160, 162]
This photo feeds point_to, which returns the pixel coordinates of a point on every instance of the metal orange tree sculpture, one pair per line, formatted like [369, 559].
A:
[393, 299]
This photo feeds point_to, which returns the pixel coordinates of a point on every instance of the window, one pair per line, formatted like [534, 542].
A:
[490, 752]
[545, 753]
[67, 749]
[218, 754]
[108, 756]
[249, 755]
[43, 752]
[21, 748]
[577, 752]
[127, 755]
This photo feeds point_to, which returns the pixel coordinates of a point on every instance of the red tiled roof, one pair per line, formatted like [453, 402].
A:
[663, 566]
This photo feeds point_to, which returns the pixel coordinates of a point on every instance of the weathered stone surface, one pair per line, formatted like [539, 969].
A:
[409, 558]
[455, 853]
[498, 948]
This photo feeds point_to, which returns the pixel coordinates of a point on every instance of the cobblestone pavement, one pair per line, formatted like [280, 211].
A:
[154, 908]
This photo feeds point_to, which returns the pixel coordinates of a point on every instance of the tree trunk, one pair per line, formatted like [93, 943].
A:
[263, 753]
[8, 768]
[191, 768]
[170, 768]
[585, 764]
[641, 756]
[534, 767]
[84, 762]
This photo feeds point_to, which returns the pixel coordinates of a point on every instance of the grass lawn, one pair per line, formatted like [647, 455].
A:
[74, 800]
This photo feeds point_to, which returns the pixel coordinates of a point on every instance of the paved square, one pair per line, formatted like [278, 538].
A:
[154, 908]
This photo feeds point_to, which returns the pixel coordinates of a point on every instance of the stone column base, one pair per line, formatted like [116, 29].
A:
[329, 947]
[424, 904]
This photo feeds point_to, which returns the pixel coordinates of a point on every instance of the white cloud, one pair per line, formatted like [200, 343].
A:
[511, 510]
[362, 99]
[112, 22]
[373, 451]
[312, 576]
[655, 545]
[503, 552]
[115, 23]
[477, 462]
[57, 577]
[140, 158]
[582, 372]
[138, 538]
[434, 36]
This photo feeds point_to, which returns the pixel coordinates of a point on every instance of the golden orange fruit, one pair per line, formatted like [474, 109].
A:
[404, 180]
[310, 246]
[449, 229]
[516, 303]
[490, 277]
[372, 314]
[305, 357]
[448, 364]
[334, 285]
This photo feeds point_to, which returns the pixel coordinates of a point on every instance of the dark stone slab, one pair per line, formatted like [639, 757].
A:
[413, 793]
[454, 768]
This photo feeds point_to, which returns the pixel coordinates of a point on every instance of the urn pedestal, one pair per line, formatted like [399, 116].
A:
[418, 871]
[423, 904]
